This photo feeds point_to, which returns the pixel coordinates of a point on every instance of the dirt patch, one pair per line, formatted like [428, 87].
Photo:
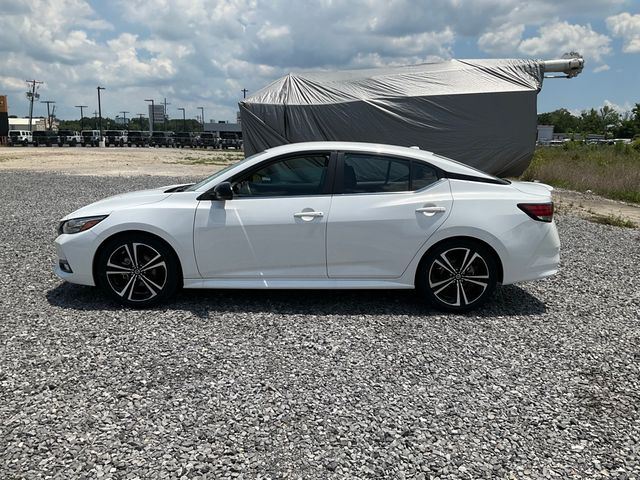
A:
[117, 161]
[588, 205]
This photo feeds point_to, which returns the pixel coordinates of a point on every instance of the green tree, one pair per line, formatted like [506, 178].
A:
[563, 120]
[591, 121]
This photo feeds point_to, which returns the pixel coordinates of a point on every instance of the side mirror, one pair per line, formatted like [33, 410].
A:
[223, 191]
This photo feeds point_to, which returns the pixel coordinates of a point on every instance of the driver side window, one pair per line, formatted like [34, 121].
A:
[293, 176]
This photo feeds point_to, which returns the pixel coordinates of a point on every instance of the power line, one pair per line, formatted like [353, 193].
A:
[81, 107]
[32, 95]
[165, 114]
[48, 102]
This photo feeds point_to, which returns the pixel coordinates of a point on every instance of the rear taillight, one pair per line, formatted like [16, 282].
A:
[543, 212]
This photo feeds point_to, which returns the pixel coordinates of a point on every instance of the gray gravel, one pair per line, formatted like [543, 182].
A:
[544, 382]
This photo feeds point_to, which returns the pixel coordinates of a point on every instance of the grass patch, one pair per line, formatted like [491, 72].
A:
[612, 171]
[614, 220]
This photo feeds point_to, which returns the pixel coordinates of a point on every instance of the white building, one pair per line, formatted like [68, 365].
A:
[23, 124]
[545, 133]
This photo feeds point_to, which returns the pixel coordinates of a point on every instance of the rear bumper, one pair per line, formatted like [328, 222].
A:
[538, 263]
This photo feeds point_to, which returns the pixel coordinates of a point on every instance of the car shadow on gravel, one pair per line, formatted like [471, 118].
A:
[509, 300]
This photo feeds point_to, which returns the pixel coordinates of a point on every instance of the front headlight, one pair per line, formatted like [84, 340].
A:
[76, 225]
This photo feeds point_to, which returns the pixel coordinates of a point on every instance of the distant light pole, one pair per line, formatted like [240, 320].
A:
[184, 129]
[141, 115]
[165, 114]
[124, 115]
[244, 92]
[100, 112]
[152, 117]
[48, 102]
[81, 107]
[202, 116]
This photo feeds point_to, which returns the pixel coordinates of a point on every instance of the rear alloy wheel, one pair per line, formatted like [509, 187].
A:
[137, 270]
[458, 276]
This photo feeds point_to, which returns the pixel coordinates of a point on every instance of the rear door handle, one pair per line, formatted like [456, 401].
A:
[308, 214]
[430, 210]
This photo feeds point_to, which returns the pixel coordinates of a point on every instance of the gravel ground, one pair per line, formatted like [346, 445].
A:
[544, 382]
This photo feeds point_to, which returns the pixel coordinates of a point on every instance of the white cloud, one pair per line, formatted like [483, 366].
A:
[602, 68]
[626, 26]
[503, 40]
[621, 109]
[560, 37]
[203, 52]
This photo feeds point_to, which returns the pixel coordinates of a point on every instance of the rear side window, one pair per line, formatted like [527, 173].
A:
[369, 173]
[365, 173]
[422, 175]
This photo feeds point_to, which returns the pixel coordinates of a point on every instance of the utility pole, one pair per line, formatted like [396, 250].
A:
[141, 115]
[152, 117]
[81, 116]
[95, 119]
[48, 102]
[32, 95]
[124, 114]
[202, 116]
[244, 92]
[100, 112]
[184, 129]
[165, 114]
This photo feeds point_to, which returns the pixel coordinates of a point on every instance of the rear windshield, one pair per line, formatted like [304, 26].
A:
[158, 134]
[88, 134]
[65, 132]
[113, 132]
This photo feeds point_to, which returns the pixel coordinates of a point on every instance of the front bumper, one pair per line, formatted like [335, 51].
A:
[77, 250]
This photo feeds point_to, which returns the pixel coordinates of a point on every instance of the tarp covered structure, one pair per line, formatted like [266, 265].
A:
[479, 112]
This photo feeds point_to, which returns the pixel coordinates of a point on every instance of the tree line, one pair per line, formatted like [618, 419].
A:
[605, 121]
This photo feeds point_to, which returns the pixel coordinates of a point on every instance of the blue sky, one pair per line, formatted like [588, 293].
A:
[204, 52]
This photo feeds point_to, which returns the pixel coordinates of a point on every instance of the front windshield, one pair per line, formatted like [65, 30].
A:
[196, 186]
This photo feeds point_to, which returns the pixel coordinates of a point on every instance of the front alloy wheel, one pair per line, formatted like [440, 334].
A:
[138, 271]
[458, 276]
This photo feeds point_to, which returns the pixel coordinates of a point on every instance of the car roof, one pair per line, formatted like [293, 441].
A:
[444, 163]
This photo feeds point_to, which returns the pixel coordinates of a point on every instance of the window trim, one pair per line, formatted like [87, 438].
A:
[339, 173]
[327, 185]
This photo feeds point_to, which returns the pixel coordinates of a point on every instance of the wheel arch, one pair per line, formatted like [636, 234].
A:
[467, 238]
[124, 233]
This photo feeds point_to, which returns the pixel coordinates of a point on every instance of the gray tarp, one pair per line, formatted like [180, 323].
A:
[479, 112]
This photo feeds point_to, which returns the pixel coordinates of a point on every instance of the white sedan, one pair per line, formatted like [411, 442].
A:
[322, 215]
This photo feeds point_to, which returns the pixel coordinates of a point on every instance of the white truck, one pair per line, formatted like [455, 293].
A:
[90, 138]
[117, 138]
[19, 137]
[69, 137]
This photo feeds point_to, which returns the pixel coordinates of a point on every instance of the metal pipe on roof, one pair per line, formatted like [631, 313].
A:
[571, 67]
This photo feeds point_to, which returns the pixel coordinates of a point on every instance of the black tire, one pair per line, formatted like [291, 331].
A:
[457, 275]
[142, 283]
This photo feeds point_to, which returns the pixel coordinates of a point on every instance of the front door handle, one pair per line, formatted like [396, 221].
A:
[428, 211]
[310, 215]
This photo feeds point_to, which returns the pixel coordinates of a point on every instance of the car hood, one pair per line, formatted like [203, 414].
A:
[119, 202]
[533, 188]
